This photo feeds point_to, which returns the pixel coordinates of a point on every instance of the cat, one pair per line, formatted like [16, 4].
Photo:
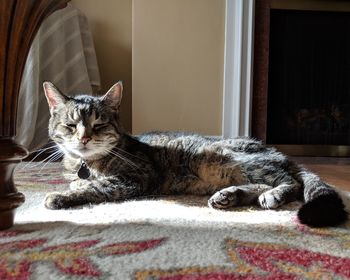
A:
[109, 165]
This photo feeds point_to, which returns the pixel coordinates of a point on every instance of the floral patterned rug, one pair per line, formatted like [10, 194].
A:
[169, 238]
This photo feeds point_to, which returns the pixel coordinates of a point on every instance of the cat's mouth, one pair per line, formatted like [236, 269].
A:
[83, 151]
[88, 152]
[80, 151]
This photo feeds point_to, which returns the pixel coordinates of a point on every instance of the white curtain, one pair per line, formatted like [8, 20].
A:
[63, 53]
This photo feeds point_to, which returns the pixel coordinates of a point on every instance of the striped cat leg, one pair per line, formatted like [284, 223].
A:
[237, 196]
[283, 193]
[94, 191]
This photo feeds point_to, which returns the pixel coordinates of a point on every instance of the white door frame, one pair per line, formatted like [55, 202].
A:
[238, 67]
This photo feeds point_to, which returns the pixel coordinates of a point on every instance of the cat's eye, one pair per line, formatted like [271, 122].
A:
[71, 125]
[100, 125]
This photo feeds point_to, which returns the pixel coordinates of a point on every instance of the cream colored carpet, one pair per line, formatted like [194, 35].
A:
[162, 238]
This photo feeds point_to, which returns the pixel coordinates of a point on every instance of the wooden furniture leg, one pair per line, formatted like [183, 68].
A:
[19, 21]
[10, 199]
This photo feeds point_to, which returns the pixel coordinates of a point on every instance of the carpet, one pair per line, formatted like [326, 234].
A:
[168, 238]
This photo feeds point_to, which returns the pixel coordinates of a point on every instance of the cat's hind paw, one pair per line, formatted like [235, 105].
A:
[224, 198]
[270, 200]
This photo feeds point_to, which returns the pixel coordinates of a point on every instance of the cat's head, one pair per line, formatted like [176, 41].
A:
[84, 127]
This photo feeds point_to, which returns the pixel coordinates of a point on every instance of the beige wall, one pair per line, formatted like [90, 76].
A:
[178, 53]
[110, 22]
[177, 60]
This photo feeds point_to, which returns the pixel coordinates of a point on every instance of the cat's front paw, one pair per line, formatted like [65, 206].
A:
[56, 200]
[224, 198]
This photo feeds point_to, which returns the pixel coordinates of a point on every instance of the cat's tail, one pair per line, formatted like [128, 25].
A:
[324, 205]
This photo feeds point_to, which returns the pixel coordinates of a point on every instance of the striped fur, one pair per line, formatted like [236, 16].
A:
[240, 171]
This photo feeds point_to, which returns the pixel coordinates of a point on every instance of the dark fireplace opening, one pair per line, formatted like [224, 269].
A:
[308, 100]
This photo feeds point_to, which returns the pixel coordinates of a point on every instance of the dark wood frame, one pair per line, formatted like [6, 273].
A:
[261, 68]
[19, 22]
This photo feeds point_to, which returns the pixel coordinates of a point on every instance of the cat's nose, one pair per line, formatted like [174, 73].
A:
[85, 139]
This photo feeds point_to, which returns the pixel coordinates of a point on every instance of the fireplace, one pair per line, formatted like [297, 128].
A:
[301, 91]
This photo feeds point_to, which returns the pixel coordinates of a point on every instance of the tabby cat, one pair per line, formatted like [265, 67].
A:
[110, 165]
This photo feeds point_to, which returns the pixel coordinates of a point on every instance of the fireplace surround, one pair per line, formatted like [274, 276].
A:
[301, 90]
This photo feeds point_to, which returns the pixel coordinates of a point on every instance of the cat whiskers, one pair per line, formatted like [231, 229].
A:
[120, 150]
[136, 157]
[42, 150]
[56, 155]
[129, 162]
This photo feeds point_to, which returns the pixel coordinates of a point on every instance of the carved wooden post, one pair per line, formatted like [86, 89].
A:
[19, 21]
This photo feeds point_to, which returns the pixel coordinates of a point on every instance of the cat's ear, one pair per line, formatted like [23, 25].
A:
[54, 96]
[113, 97]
